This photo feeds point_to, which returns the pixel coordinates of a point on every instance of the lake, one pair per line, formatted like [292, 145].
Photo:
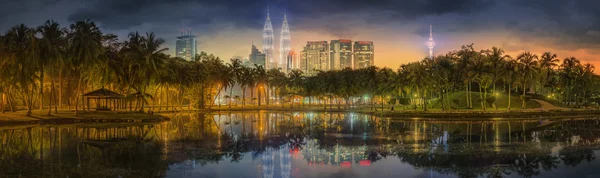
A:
[304, 145]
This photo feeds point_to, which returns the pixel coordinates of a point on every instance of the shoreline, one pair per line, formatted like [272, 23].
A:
[160, 116]
[405, 114]
[84, 118]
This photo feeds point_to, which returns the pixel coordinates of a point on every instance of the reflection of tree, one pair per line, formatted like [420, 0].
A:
[148, 149]
[572, 156]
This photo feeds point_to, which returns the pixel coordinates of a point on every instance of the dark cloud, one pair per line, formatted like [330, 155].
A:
[123, 14]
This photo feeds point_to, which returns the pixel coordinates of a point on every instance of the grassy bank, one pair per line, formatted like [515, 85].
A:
[68, 117]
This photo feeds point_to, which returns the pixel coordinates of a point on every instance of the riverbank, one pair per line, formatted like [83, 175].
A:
[65, 116]
[68, 117]
[546, 113]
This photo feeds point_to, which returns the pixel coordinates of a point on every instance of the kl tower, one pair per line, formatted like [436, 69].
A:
[430, 43]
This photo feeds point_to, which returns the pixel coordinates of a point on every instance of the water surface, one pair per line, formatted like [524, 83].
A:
[298, 144]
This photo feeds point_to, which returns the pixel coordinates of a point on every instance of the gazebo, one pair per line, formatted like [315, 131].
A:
[104, 99]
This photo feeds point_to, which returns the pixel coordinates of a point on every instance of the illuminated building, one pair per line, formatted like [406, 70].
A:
[315, 56]
[256, 57]
[430, 43]
[268, 42]
[292, 61]
[341, 54]
[284, 44]
[185, 46]
[364, 54]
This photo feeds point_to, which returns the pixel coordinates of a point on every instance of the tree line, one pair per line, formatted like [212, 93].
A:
[54, 66]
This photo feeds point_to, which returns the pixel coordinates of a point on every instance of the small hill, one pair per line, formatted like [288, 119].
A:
[501, 101]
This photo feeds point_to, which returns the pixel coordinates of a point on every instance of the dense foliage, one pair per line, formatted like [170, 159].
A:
[52, 65]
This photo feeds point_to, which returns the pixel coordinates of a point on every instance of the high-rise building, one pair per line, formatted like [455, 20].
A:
[185, 46]
[256, 57]
[292, 61]
[284, 43]
[430, 43]
[268, 42]
[341, 54]
[364, 54]
[315, 56]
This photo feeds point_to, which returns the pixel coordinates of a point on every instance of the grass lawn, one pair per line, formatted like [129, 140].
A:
[501, 101]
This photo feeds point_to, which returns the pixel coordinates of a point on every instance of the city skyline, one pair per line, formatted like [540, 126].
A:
[399, 29]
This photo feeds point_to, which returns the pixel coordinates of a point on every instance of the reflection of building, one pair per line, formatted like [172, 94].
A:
[340, 155]
[268, 163]
[185, 46]
[256, 57]
[364, 55]
[285, 162]
[341, 54]
[315, 56]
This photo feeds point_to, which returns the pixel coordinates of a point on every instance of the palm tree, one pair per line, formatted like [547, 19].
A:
[22, 50]
[548, 62]
[509, 76]
[496, 58]
[479, 70]
[52, 44]
[85, 41]
[569, 69]
[466, 54]
[246, 79]
[261, 79]
[528, 69]
[235, 76]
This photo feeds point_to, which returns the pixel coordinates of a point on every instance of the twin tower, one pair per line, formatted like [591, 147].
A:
[284, 44]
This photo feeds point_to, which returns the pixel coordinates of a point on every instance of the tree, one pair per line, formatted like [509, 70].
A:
[22, 50]
[569, 75]
[509, 76]
[85, 41]
[52, 44]
[528, 65]
[548, 62]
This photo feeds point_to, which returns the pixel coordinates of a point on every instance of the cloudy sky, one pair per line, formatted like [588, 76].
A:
[399, 28]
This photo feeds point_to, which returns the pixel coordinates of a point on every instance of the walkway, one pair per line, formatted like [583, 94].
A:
[548, 106]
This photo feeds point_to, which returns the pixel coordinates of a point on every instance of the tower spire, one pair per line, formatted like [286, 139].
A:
[430, 43]
[430, 33]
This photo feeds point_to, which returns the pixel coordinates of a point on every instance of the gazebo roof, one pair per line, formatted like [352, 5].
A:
[103, 93]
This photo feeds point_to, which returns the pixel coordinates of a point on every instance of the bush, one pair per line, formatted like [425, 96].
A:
[404, 101]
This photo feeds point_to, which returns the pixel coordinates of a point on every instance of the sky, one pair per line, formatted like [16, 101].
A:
[398, 28]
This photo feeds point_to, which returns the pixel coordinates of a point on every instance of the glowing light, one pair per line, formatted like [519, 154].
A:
[268, 41]
[284, 43]
[430, 43]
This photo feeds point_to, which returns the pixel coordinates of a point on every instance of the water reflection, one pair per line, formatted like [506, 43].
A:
[277, 144]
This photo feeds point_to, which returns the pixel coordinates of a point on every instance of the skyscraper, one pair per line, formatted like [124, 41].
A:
[364, 54]
[185, 46]
[430, 43]
[341, 54]
[292, 61]
[256, 57]
[284, 43]
[315, 56]
[268, 42]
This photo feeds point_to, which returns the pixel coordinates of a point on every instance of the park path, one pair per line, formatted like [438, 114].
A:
[548, 106]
